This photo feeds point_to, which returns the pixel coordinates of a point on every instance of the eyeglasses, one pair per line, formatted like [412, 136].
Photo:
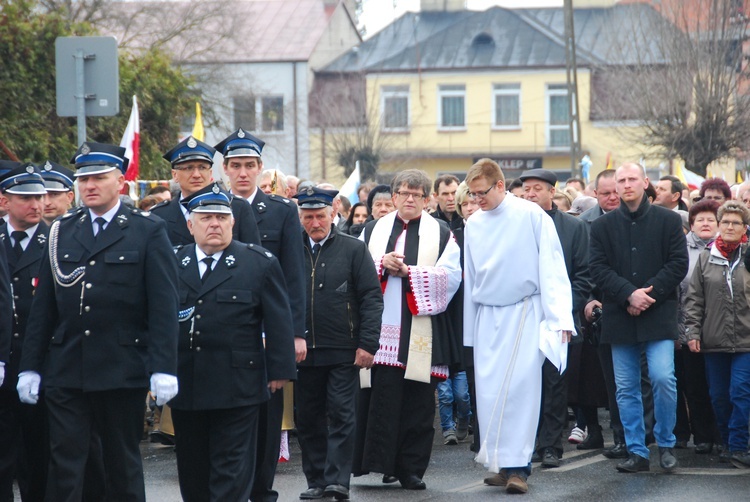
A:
[731, 223]
[480, 195]
[406, 195]
[200, 168]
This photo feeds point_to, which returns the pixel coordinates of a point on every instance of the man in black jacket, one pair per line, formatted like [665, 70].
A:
[539, 188]
[344, 309]
[638, 258]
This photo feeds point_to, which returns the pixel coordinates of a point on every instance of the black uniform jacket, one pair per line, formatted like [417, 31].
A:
[344, 300]
[244, 230]
[279, 227]
[6, 305]
[118, 323]
[637, 250]
[222, 361]
[24, 273]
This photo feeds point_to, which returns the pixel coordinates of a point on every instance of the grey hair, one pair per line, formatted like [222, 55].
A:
[734, 207]
[412, 178]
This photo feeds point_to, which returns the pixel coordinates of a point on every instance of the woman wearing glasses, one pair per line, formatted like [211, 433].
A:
[718, 325]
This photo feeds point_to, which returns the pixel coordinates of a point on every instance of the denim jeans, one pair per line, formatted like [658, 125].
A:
[626, 358]
[453, 389]
[729, 386]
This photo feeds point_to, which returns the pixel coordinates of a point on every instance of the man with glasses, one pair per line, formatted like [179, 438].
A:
[517, 311]
[191, 163]
[418, 264]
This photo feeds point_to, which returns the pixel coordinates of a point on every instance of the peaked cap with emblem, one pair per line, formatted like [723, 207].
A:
[210, 199]
[99, 158]
[23, 179]
[315, 198]
[56, 177]
[240, 144]
[190, 149]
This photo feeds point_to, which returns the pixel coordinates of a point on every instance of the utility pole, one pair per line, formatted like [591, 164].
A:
[571, 75]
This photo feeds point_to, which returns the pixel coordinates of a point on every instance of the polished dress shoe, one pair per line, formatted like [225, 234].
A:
[387, 479]
[740, 459]
[313, 493]
[634, 463]
[549, 458]
[619, 450]
[499, 479]
[704, 448]
[339, 492]
[412, 482]
[667, 460]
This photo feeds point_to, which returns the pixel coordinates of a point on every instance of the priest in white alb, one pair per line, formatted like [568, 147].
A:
[517, 311]
[418, 262]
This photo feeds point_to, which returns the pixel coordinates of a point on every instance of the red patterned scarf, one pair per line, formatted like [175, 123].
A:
[728, 248]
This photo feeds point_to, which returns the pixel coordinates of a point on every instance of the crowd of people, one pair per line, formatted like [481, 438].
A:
[512, 303]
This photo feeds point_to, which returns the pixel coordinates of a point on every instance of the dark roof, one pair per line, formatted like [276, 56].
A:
[505, 38]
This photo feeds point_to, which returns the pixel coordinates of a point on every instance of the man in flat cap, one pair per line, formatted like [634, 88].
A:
[539, 188]
[231, 293]
[279, 226]
[103, 326]
[344, 307]
[24, 239]
[192, 161]
[58, 181]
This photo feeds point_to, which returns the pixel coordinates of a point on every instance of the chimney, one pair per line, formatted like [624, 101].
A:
[442, 5]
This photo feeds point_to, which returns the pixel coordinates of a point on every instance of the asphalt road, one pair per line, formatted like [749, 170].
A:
[454, 476]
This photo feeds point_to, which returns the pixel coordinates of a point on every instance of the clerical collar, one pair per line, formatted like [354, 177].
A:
[108, 216]
[406, 222]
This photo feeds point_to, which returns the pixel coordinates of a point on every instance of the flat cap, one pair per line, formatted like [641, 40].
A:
[539, 174]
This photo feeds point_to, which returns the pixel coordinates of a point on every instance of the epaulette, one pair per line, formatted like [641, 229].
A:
[161, 204]
[279, 198]
[260, 250]
[73, 212]
[140, 212]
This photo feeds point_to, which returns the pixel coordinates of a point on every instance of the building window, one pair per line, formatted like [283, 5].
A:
[506, 106]
[558, 116]
[394, 108]
[452, 106]
[244, 113]
[273, 113]
[268, 111]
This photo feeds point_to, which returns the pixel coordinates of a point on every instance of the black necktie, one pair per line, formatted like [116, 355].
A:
[101, 222]
[316, 249]
[208, 260]
[18, 236]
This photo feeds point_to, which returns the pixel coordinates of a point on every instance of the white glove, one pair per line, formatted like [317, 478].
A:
[28, 386]
[2, 372]
[163, 387]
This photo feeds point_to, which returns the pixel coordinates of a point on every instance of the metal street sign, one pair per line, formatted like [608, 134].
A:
[87, 78]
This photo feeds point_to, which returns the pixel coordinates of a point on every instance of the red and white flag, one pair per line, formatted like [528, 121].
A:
[131, 142]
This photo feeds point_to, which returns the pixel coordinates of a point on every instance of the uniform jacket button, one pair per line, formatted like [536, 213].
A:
[87, 332]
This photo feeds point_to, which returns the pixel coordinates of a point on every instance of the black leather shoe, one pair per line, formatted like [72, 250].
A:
[593, 441]
[619, 450]
[740, 459]
[389, 479]
[412, 482]
[536, 457]
[312, 494]
[339, 492]
[634, 463]
[704, 448]
[549, 458]
[667, 460]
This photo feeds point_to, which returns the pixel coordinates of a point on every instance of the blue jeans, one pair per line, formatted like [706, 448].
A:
[453, 389]
[729, 386]
[626, 359]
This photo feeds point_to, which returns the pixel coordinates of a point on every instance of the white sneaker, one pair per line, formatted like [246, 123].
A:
[577, 436]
